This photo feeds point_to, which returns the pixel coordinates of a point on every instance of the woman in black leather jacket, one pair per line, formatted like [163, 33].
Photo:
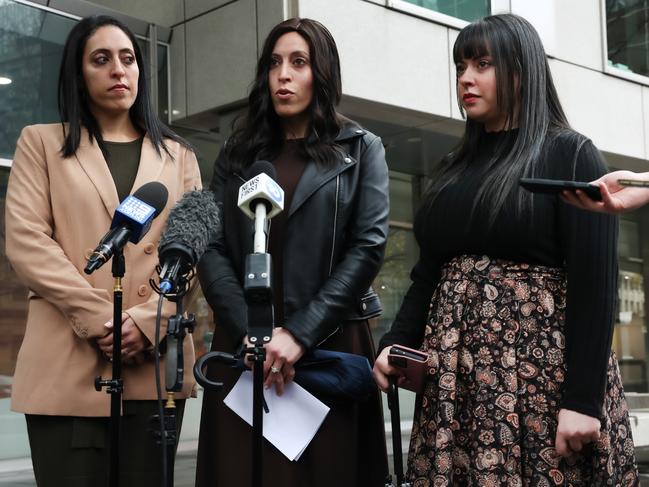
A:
[327, 247]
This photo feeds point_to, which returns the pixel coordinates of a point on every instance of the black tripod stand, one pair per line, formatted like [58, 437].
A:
[259, 298]
[177, 328]
[115, 386]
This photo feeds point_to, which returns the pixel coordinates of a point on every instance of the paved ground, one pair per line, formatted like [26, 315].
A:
[184, 473]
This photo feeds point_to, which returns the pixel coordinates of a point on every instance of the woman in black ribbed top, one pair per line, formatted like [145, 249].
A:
[513, 296]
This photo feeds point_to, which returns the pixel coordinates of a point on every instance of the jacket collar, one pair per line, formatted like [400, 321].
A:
[92, 161]
[349, 130]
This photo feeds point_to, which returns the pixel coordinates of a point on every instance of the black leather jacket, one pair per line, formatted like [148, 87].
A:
[335, 242]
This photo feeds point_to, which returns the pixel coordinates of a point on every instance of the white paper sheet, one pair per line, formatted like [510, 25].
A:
[293, 418]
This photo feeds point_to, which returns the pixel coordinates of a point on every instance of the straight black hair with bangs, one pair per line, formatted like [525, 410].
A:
[526, 96]
[73, 95]
[258, 134]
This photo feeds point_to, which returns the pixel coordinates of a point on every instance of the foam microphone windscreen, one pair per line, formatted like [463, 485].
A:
[191, 223]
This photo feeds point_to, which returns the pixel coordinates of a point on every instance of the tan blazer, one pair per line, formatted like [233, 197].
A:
[57, 210]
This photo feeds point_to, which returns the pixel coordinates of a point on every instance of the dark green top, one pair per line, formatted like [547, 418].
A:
[123, 160]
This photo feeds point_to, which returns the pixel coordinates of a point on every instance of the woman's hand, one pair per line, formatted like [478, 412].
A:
[382, 370]
[615, 198]
[574, 431]
[133, 343]
[281, 354]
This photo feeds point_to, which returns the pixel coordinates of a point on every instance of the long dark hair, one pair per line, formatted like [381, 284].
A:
[73, 94]
[527, 97]
[259, 135]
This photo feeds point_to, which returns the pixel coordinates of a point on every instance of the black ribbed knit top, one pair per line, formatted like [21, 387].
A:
[554, 234]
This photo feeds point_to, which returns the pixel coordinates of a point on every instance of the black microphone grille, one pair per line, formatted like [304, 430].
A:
[261, 166]
[154, 194]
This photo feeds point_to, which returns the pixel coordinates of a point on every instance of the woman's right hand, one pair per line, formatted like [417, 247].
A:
[382, 370]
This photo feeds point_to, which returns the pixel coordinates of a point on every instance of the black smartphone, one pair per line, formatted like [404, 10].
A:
[552, 186]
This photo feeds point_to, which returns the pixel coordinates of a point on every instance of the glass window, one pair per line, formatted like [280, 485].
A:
[627, 35]
[401, 252]
[31, 46]
[394, 278]
[630, 338]
[163, 83]
[163, 75]
[468, 10]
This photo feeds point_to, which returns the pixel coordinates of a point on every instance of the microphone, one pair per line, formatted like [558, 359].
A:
[194, 218]
[131, 222]
[261, 198]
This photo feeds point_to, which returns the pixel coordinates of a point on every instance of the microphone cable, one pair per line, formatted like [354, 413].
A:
[158, 387]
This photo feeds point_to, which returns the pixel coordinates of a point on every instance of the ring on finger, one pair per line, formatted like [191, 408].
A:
[275, 370]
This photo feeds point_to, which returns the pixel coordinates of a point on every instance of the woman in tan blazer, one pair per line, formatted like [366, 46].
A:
[66, 181]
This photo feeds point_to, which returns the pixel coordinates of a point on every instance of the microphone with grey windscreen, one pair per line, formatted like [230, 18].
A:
[192, 222]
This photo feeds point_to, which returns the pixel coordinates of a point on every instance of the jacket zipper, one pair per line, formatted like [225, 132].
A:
[333, 240]
[331, 260]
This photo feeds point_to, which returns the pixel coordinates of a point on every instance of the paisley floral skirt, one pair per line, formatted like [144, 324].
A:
[488, 414]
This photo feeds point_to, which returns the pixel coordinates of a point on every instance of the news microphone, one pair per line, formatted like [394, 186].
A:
[131, 222]
[260, 198]
[194, 218]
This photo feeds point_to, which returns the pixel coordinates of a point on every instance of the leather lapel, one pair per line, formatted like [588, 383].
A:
[93, 163]
[315, 176]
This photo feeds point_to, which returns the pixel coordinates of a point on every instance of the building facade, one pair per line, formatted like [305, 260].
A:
[398, 81]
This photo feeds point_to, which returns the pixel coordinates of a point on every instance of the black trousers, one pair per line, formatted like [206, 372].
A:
[70, 451]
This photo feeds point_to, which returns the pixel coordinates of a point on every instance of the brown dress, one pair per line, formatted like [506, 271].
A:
[348, 450]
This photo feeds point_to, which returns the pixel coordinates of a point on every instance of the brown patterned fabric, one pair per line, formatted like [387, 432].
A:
[488, 415]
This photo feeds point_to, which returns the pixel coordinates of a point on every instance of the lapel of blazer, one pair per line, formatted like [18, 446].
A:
[93, 163]
[151, 164]
[316, 175]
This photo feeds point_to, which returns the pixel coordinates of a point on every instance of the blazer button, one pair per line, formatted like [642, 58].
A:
[359, 131]
[347, 160]
[89, 253]
[148, 248]
[143, 290]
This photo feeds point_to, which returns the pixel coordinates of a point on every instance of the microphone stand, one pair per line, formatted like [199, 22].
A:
[259, 298]
[177, 328]
[258, 291]
[115, 386]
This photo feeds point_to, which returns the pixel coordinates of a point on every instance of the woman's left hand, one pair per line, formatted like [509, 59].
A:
[574, 431]
[281, 354]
